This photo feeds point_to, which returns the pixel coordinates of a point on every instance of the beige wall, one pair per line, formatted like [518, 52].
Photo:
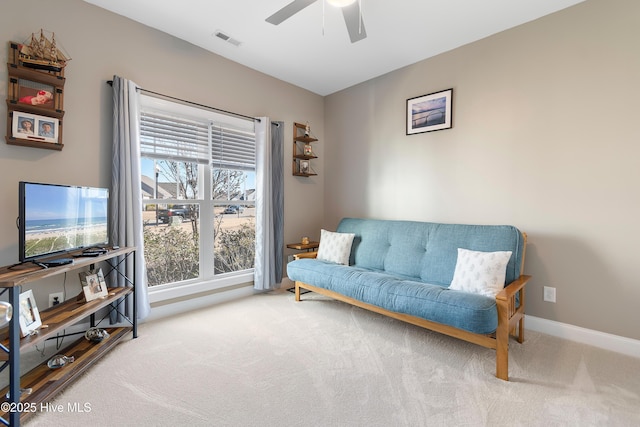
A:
[103, 44]
[545, 137]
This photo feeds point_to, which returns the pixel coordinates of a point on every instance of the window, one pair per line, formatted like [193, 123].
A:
[198, 186]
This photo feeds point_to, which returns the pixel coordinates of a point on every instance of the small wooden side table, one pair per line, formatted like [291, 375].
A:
[302, 247]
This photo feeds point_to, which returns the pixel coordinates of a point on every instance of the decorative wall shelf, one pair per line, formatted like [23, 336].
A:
[43, 381]
[302, 151]
[35, 104]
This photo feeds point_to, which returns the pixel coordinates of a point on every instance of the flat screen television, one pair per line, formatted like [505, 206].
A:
[55, 219]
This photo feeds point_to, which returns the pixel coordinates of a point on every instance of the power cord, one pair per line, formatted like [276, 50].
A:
[59, 338]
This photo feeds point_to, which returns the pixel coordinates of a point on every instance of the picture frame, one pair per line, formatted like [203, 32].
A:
[93, 285]
[308, 150]
[427, 113]
[305, 167]
[29, 315]
[34, 127]
[34, 93]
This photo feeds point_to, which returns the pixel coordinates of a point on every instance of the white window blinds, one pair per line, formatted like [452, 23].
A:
[232, 148]
[163, 136]
[166, 137]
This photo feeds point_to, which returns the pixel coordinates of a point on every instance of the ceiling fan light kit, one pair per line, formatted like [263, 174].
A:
[351, 11]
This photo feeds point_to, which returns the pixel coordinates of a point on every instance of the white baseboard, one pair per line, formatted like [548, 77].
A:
[177, 307]
[616, 343]
[627, 346]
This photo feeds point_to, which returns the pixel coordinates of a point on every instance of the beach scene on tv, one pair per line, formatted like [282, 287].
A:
[59, 218]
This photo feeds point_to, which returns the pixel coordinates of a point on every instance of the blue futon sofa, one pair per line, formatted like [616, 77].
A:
[405, 270]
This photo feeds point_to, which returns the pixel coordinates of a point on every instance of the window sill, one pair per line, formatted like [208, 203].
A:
[186, 290]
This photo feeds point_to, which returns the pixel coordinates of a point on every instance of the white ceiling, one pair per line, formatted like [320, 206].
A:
[399, 33]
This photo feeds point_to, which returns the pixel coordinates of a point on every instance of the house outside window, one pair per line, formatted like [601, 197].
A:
[198, 189]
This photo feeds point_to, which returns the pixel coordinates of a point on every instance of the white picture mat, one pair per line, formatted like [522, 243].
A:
[29, 316]
[94, 286]
[37, 127]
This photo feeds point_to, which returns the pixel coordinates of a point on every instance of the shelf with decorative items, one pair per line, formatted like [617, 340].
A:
[35, 95]
[303, 150]
[29, 327]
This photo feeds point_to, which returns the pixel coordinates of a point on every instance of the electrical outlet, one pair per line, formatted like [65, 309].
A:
[549, 294]
[56, 298]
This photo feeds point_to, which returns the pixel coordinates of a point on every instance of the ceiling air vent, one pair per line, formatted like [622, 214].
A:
[227, 38]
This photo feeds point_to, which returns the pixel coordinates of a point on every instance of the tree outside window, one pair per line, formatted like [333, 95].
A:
[198, 212]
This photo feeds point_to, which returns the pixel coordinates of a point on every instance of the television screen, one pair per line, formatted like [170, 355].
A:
[59, 218]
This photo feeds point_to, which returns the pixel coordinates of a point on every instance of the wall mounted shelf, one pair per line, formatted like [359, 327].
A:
[35, 96]
[302, 151]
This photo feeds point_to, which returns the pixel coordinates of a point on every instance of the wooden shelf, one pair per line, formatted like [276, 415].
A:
[63, 315]
[304, 157]
[34, 109]
[24, 83]
[306, 139]
[50, 78]
[29, 272]
[298, 152]
[34, 144]
[46, 382]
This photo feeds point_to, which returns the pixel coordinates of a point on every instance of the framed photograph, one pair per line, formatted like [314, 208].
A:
[30, 93]
[308, 150]
[103, 283]
[304, 166]
[34, 127]
[93, 285]
[29, 315]
[431, 112]
[34, 93]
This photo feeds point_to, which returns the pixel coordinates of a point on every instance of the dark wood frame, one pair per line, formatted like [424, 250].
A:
[18, 89]
[446, 112]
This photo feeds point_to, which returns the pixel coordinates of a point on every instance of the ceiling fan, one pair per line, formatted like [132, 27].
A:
[350, 11]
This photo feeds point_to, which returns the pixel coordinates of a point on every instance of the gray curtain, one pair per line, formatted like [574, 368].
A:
[269, 204]
[277, 183]
[125, 214]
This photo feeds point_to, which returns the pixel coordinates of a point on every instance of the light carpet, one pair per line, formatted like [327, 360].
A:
[267, 360]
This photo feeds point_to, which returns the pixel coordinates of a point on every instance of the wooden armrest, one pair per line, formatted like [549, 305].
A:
[512, 288]
[305, 255]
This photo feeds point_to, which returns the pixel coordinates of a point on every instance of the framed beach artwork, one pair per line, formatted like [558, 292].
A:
[34, 127]
[29, 315]
[430, 112]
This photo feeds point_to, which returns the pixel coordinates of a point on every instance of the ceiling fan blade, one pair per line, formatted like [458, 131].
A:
[355, 24]
[288, 11]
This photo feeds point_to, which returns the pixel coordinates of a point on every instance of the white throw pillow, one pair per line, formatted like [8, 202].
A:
[480, 272]
[335, 247]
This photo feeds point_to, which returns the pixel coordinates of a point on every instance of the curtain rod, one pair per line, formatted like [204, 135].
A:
[231, 113]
